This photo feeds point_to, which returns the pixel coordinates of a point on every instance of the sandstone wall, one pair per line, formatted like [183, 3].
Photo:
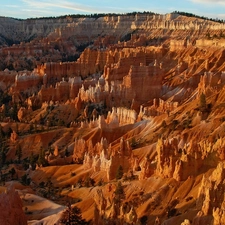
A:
[28, 82]
[86, 29]
[7, 78]
[214, 42]
[143, 82]
[90, 62]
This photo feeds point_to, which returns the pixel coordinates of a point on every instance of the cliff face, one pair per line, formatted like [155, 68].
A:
[89, 28]
[61, 39]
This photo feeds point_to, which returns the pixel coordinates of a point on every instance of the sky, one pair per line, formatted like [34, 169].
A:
[42, 8]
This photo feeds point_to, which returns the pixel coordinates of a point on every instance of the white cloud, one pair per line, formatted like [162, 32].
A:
[220, 2]
[221, 16]
[12, 6]
[61, 5]
[35, 8]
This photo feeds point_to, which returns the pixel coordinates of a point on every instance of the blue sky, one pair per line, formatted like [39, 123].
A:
[39, 8]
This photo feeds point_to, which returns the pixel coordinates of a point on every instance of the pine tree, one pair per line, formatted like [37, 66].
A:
[32, 161]
[13, 112]
[89, 182]
[41, 158]
[19, 153]
[72, 216]
[50, 188]
[119, 173]
[12, 172]
[202, 102]
[25, 179]
[1, 133]
[31, 127]
[2, 158]
[35, 126]
[119, 193]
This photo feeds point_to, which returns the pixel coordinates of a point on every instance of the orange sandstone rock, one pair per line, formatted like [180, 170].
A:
[11, 208]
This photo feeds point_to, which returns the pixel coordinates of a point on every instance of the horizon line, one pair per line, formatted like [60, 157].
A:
[91, 15]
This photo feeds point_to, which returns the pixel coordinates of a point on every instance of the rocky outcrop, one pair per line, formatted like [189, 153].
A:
[7, 79]
[122, 115]
[136, 79]
[211, 197]
[90, 62]
[105, 158]
[207, 42]
[27, 83]
[186, 222]
[176, 162]
[158, 107]
[11, 208]
[37, 41]
[211, 82]
[20, 30]
[13, 137]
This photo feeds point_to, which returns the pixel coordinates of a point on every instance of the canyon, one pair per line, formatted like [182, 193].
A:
[121, 116]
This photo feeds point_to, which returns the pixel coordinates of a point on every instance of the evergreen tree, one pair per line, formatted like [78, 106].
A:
[67, 152]
[32, 161]
[89, 182]
[202, 102]
[50, 188]
[19, 153]
[12, 172]
[2, 158]
[3, 112]
[31, 127]
[41, 158]
[13, 112]
[1, 133]
[119, 193]
[17, 128]
[35, 126]
[72, 216]
[119, 173]
[25, 179]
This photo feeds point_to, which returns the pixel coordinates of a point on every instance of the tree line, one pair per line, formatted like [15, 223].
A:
[93, 15]
[200, 17]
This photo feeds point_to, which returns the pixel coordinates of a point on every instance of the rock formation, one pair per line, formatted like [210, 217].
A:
[211, 197]
[11, 208]
[102, 157]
